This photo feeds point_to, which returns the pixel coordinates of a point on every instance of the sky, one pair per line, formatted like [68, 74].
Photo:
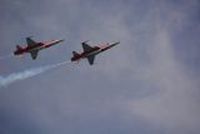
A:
[148, 84]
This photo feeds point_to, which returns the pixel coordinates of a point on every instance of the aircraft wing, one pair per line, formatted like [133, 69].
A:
[30, 42]
[86, 47]
[34, 54]
[91, 59]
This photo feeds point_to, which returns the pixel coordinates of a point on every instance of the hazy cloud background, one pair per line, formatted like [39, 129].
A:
[147, 84]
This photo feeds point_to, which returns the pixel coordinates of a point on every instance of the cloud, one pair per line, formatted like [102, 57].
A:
[176, 106]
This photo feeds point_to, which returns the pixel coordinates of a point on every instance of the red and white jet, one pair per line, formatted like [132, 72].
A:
[34, 47]
[90, 52]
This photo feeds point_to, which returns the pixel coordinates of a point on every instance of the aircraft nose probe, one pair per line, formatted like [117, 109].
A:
[59, 41]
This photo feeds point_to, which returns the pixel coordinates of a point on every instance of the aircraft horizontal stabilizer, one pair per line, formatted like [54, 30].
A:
[19, 47]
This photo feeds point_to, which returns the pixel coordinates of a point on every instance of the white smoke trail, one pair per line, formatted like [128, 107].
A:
[4, 81]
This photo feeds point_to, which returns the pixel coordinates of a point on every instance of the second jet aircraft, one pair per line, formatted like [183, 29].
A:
[90, 52]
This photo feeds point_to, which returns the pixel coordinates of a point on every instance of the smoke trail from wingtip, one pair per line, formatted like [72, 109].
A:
[4, 81]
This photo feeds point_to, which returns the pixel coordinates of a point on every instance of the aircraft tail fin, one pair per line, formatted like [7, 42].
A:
[75, 53]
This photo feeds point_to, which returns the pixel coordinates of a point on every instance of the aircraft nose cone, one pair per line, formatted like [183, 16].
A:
[61, 40]
[116, 43]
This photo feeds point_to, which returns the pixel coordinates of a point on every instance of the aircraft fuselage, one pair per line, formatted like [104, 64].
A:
[96, 50]
[37, 46]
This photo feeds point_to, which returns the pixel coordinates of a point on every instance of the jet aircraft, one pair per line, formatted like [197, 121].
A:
[34, 47]
[90, 52]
